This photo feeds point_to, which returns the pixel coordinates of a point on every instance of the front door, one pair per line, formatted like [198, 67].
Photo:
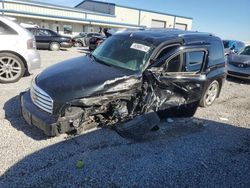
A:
[178, 78]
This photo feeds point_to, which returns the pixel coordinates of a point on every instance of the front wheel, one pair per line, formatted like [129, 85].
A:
[12, 68]
[210, 94]
[54, 46]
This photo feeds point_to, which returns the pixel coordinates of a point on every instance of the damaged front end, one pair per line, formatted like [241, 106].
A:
[112, 102]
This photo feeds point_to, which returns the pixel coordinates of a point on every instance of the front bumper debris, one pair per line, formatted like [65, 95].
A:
[51, 125]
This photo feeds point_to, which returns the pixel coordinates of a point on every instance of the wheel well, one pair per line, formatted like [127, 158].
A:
[18, 55]
[54, 42]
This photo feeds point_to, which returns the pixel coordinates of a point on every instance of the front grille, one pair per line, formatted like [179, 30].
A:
[41, 99]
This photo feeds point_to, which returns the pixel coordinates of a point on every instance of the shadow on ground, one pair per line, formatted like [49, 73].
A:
[238, 80]
[13, 115]
[84, 50]
[185, 153]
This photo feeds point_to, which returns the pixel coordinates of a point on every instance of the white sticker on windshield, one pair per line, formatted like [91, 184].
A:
[140, 47]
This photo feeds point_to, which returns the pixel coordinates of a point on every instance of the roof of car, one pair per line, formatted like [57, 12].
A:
[158, 36]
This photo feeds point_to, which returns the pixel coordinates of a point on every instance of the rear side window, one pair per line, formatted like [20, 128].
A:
[193, 61]
[216, 52]
[6, 30]
[189, 62]
[41, 32]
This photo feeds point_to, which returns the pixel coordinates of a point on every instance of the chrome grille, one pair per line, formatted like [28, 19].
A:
[41, 99]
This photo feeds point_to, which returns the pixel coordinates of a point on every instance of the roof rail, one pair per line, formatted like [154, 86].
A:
[195, 33]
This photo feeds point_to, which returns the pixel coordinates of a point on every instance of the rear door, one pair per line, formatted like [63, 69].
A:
[179, 77]
[8, 37]
[43, 38]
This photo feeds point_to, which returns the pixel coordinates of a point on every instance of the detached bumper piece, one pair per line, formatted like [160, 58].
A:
[49, 124]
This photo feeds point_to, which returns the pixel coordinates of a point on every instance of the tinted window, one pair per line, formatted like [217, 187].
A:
[174, 65]
[124, 52]
[166, 51]
[52, 33]
[41, 32]
[193, 61]
[6, 30]
[246, 51]
[216, 51]
[241, 46]
[33, 31]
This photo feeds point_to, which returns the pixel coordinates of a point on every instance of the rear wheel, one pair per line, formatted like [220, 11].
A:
[210, 94]
[54, 46]
[78, 44]
[12, 68]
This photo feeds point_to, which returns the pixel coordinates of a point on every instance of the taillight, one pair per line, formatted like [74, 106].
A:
[98, 42]
[31, 44]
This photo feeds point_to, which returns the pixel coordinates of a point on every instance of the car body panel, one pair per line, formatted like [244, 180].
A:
[44, 37]
[17, 44]
[94, 92]
[239, 65]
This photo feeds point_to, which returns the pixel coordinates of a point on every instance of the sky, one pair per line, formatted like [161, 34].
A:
[227, 19]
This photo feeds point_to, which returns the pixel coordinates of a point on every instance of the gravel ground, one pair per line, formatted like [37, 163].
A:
[211, 149]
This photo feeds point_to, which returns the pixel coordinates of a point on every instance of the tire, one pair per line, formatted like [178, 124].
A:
[78, 44]
[54, 46]
[211, 94]
[12, 68]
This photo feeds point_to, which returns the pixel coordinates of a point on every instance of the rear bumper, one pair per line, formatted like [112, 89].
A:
[66, 44]
[51, 125]
[33, 60]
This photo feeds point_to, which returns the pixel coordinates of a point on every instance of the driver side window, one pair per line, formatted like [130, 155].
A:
[174, 65]
[185, 62]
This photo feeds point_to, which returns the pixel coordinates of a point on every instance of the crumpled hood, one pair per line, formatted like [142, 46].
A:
[239, 58]
[79, 77]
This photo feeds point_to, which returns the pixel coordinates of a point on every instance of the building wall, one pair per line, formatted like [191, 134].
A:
[147, 17]
[49, 15]
[184, 21]
[49, 24]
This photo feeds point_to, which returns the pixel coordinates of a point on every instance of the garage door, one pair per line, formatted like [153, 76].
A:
[158, 24]
[181, 26]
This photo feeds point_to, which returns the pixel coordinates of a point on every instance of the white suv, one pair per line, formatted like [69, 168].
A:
[18, 54]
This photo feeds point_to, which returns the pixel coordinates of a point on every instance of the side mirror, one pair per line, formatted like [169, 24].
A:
[155, 69]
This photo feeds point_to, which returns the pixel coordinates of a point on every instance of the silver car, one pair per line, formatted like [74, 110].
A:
[18, 53]
[239, 64]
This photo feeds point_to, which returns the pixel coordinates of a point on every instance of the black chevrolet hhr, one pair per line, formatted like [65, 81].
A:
[130, 74]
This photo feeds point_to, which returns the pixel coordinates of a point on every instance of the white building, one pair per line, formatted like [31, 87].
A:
[89, 16]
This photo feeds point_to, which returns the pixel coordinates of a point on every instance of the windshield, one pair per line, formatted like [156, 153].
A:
[124, 52]
[246, 51]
